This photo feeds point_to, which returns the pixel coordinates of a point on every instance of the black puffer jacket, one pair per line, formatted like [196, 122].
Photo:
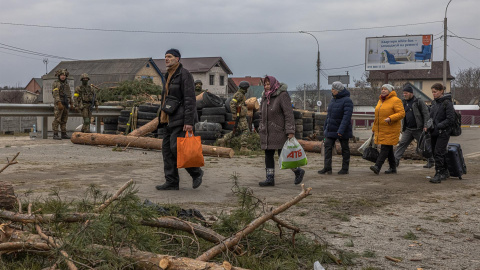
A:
[181, 86]
[443, 114]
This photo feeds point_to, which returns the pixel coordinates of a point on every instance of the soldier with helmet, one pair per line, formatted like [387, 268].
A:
[85, 100]
[198, 87]
[62, 99]
[239, 115]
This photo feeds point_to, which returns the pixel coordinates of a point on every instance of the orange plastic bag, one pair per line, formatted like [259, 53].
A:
[189, 151]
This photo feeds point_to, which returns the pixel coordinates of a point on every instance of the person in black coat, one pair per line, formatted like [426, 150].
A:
[178, 86]
[338, 126]
[443, 115]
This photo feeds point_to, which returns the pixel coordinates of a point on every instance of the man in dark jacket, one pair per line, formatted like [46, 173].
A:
[338, 126]
[178, 86]
[414, 123]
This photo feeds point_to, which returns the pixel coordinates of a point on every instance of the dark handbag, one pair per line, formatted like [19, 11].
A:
[171, 105]
[370, 153]
[424, 145]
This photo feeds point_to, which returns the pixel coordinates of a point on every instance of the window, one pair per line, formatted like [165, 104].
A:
[222, 80]
[212, 79]
[418, 84]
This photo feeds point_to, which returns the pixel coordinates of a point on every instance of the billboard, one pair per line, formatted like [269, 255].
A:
[399, 52]
[345, 79]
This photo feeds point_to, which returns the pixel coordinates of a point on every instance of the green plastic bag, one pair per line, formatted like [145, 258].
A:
[293, 155]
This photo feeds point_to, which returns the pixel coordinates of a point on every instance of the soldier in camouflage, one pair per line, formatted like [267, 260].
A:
[62, 99]
[84, 100]
[238, 101]
[198, 87]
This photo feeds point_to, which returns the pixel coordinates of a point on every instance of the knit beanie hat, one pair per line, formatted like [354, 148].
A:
[174, 52]
[408, 88]
[337, 86]
[388, 86]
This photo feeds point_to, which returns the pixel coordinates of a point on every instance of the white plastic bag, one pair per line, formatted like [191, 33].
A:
[366, 144]
[293, 155]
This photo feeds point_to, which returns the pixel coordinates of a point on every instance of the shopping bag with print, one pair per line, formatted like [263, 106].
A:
[189, 151]
[292, 155]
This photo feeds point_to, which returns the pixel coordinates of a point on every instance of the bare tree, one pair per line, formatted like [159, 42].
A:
[467, 85]
[363, 81]
[311, 94]
[11, 96]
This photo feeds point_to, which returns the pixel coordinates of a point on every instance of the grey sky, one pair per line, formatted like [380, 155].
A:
[289, 57]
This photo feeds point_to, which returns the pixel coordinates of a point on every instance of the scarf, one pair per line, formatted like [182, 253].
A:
[274, 85]
[171, 70]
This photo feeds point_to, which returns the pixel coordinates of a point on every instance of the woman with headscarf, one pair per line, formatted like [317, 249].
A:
[277, 124]
[387, 126]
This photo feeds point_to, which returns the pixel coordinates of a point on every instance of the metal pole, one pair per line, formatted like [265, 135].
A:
[304, 95]
[445, 50]
[318, 68]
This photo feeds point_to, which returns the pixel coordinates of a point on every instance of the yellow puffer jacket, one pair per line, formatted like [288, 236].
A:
[388, 133]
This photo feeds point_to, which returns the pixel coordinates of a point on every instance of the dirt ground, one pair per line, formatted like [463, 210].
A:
[427, 226]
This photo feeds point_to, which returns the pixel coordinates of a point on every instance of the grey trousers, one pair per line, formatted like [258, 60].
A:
[407, 137]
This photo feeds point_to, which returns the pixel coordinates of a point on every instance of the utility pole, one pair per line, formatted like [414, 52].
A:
[348, 79]
[304, 95]
[445, 51]
[318, 68]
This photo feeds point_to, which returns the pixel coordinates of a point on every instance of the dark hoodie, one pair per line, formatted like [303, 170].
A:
[339, 116]
[443, 114]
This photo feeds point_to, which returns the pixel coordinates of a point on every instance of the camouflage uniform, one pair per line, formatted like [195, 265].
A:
[85, 99]
[62, 98]
[198, 89]
[238, 100]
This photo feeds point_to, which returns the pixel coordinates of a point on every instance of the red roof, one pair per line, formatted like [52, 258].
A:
[253, 81]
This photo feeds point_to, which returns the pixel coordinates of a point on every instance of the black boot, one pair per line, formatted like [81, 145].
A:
[325, 171]
[299, 173]
[391, 170]
[167, 186]
[65, 136]
[270, 181]
[55, 136]
[343, 171]
[375, 169]
[429, 164]
[437, 179]
[197, 181]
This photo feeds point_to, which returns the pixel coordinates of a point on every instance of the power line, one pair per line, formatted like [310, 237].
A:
[466, 59]
[24, 56]
[344, 67]
[464, 40]
[20, 50]
[209, 33]
[465, 37]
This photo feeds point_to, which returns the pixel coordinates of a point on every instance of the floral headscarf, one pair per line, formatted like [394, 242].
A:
[274, 85]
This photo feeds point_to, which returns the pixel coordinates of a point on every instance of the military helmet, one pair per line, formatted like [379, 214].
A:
[244, 85]
[198, 81]
[84, 77]
[61, 72]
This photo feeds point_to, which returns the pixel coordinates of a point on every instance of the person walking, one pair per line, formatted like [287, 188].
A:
[85, 100]
[386, 127]
[181, 117]
[62, 99]
[414, 123]
[338, 126]
[276, 126]
[443, 116]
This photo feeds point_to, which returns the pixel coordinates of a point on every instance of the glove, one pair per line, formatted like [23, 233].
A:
[96, 108]
[71, 104]
[60, 106]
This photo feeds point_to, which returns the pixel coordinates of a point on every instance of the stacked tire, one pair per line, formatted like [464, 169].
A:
[147, 113]
[123, 120]
[319, 122]
[110, 125]
[209, 132]
[298, 115]
[215, 112]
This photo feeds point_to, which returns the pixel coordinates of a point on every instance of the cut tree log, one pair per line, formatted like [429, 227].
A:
[141, 142]
[233, 240]
[311, 146]
[145, 129]
[7, 196]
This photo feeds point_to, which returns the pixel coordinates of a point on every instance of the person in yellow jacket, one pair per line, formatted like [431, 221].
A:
[387, 126]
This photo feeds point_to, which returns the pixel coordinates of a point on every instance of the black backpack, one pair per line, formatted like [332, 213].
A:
[457, 123]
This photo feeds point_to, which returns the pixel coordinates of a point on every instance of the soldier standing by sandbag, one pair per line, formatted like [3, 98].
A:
[239, 110]
[62, 99]
[84, 100]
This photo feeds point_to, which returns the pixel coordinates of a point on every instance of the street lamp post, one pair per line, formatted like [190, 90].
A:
[445, 51]
[318, 68]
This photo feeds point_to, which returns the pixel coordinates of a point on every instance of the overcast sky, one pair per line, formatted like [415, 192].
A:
[291, 56]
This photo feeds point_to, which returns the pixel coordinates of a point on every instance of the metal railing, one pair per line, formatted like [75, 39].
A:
[46, 110]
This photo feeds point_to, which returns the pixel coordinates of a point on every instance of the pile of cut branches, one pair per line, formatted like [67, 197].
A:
[118, 231]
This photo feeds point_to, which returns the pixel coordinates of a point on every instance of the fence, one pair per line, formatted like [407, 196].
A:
[16, 124]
